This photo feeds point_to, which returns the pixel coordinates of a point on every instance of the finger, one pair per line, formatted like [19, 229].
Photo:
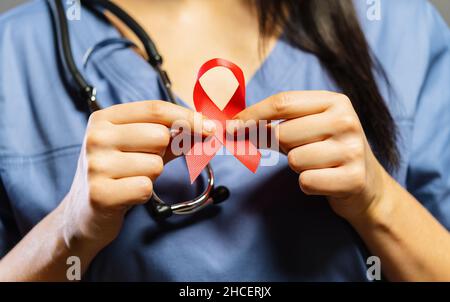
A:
[127, 164]
[320, 155]
[123, 192]
[150, 138]
[159, 112]
[288, 105]
[305, 130]
[336, 182]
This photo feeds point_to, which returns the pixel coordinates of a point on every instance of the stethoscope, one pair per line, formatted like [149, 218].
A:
[87, 93]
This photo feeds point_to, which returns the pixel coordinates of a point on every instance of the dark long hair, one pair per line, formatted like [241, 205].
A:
[330, 30]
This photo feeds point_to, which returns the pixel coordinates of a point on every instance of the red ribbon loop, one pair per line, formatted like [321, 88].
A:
[196, 158]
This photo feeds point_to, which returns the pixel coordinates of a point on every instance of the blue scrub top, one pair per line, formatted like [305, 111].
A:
[267, 230]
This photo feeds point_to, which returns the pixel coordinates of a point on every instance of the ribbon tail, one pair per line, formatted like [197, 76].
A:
[197, 159]
[196, 164]
[246, 153]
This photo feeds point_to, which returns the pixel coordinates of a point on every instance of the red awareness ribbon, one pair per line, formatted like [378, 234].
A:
[196, 159]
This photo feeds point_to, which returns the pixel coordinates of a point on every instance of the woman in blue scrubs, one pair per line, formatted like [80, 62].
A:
[362, 90]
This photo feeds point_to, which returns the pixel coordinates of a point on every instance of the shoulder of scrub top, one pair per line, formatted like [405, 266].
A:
[33, 104]
[412, 42]
[23, 31]
[405, 36]
[27, 15]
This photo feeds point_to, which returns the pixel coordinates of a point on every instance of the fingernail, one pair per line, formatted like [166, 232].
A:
[209, 126]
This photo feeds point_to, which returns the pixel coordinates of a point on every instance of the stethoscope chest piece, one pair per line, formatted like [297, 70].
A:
[211, 196]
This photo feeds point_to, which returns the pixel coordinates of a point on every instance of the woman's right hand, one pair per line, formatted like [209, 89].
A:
[122, 155]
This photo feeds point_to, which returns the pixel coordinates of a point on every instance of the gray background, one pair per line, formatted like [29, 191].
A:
[443, 5]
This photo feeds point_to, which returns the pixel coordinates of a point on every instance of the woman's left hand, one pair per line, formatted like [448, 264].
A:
[325, 143]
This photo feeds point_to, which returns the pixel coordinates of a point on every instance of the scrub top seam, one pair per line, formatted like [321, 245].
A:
[6, 159]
